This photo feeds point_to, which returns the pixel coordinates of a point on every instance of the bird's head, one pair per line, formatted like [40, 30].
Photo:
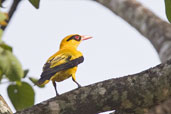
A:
[73, 40]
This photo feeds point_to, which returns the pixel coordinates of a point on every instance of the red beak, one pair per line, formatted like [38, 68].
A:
[85, 37]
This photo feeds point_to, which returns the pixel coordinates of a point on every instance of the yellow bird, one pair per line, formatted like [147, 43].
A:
[63, 64]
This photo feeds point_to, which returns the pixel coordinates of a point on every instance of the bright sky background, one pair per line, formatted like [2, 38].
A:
[116, 49]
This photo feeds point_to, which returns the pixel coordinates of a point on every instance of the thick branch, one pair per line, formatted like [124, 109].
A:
[133, 94]
[4, 108]
[147, 23]
[163, 108]
[11, 11]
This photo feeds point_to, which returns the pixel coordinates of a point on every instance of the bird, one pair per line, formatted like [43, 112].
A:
[63, 64]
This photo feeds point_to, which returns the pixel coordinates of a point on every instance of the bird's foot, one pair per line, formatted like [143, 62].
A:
[57, 94]
[79, 86]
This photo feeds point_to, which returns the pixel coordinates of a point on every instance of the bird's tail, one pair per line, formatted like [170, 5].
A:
[41, 81]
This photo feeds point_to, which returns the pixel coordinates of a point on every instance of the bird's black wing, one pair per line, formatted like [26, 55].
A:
[48, 72]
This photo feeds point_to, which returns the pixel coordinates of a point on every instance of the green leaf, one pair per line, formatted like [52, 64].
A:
[1, 75]
[5, 46]
[10, 65]
[21, 96]
[35, 3]
[1, 32]
[3, 18]
[34, 81]
[25, 73]
[168, 9]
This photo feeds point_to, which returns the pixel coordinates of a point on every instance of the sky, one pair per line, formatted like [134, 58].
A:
[116, 49]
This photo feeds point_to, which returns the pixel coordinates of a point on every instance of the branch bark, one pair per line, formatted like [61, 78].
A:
[157, 31]
[163, 108]
[4, 108]
[131, 94]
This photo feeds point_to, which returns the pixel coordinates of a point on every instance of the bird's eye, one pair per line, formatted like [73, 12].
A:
[77, 37]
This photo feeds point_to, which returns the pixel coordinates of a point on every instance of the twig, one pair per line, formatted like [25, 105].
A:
[11, 11]
[2, 1]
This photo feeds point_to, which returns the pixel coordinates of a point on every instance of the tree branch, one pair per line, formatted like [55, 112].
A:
[4, 108]
[2, 1]
[163, 108]
[11, 11]
[147, 23]
[131, 94]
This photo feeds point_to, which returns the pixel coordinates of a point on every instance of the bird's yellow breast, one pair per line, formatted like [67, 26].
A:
[62, 75]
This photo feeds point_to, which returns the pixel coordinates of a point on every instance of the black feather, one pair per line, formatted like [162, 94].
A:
[47, 74]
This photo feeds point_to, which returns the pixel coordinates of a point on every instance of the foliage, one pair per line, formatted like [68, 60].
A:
[20, 92]
[3, 18]
[21, 95]
[34, 80]
[10, 66]
[168, 9]
[35, 3]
